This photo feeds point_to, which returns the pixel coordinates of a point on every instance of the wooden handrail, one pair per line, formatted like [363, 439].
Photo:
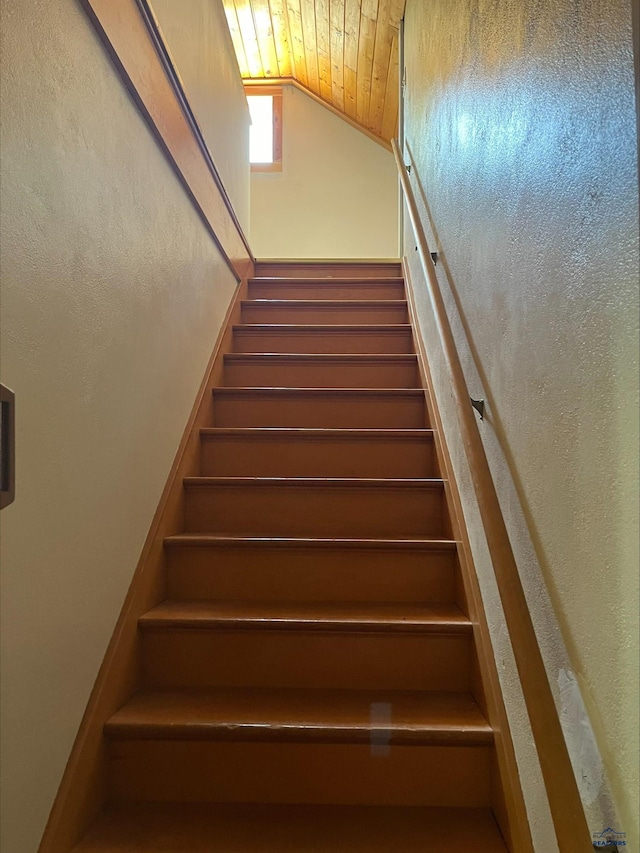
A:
[566, 807]
[177, 85]
[133, 40]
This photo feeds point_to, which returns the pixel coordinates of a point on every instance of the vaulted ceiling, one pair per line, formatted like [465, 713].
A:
[344, 52]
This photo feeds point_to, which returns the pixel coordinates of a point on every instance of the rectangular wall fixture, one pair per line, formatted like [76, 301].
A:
[7, 446]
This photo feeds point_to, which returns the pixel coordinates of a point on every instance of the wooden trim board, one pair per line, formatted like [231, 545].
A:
[134, 41]
[83, 788]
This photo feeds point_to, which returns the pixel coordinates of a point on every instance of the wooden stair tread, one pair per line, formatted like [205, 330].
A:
[324, 328]
[319, 482]
[308, 615]
[192, 540]
[281, 391]
[324, 303]
[337, 280]
[293, 433]
[337, 358]
[313, 715]
[213, 828]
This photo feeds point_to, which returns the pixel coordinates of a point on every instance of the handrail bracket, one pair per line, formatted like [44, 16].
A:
[478, 405]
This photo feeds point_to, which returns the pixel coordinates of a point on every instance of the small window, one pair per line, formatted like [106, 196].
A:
[265, 134]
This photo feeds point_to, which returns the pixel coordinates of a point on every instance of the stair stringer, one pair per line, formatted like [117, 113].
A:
[507, 798]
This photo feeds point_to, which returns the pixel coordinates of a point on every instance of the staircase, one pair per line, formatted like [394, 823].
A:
[310, 681]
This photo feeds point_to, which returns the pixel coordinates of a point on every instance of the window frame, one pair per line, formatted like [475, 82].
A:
[276, 93]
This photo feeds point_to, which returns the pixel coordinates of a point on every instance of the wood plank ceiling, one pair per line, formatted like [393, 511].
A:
[343, 51]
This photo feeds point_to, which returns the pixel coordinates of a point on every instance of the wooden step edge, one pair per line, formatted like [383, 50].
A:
[325, 303]
[315, 433]
[303, 716]
[430, 483]
[199, 540]
[337, 280]
[328, 328]
[314, 626]
[285, 391]
[199, 616]
[263, 732]
[321, 358]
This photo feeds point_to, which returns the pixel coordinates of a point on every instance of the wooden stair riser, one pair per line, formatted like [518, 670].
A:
[183, 771]
[283, 288]
[291, 269]
[323, 371]
[322, 339]
[300, 454]
[291, 408]
[175, 657]
[315, 509]
[328, 313]
[310, 574]
[242, 828]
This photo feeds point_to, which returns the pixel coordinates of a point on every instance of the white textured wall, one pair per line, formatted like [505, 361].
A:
[198, 38]
[521, 119]
[337, 194]
[112, 295]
